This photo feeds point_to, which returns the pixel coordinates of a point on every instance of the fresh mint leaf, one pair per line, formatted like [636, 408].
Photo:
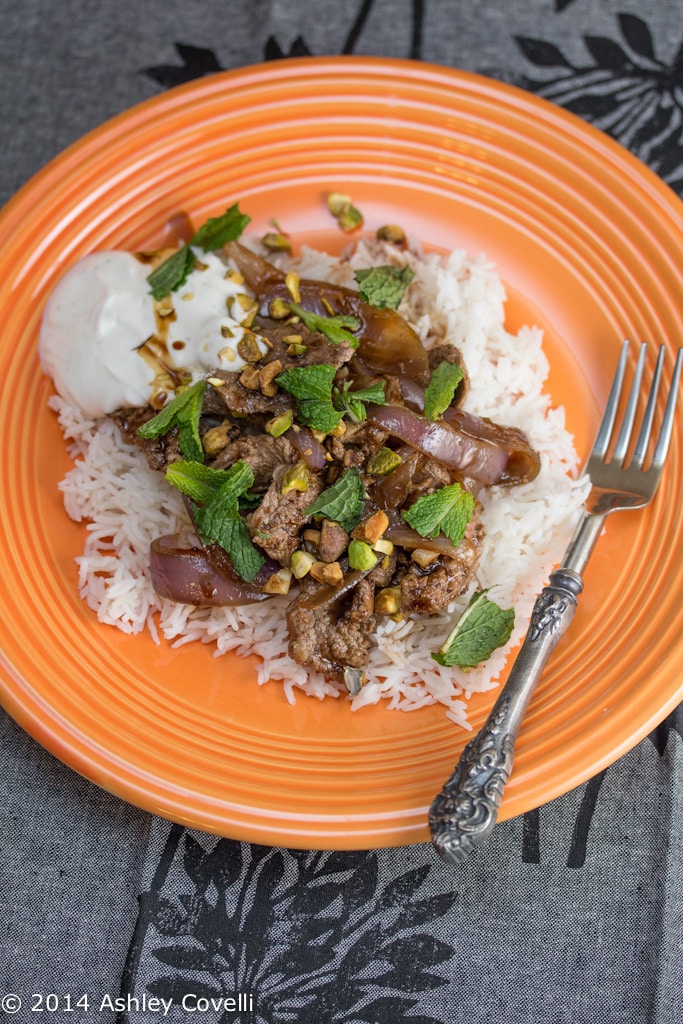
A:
[172, 273]
[220, 523]
[352, 403]
[480, 630]
[308, 383]
[441, 389]
[195, 480]
[311, 388]
[175, 270]
[447, 510]
[202, 483]
[182, 412]
[216, 494]
[337, 329]
[343, 502]
[217, 231]
[319, 404]
[384, 287]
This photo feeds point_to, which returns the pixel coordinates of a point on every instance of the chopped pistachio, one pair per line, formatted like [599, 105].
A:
[276, 241]
[327, 572]
[279, 424]
[164, 307]
[216, 439]
[278, 583]
[336, 202]
[388, 601]
[248, 347]
[383, 462]
[249, 378]
[301, 562]
[279, 309]
[296, 478]
[267, 375]
[228, 354]
[234, 276]
[361, 556]
[391, 233]
[354, 678]
[311, 536]
[383, 546]
[226, 331]
[332, 574]
[217, 382]
[339, 430]
[372, 528]
[341, 206]
[292, 339]
[292, 282]
[350, 218]
[296, 349]
[245, 302]
[424, 556]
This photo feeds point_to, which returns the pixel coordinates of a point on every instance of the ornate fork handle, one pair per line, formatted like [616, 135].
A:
[465, 811]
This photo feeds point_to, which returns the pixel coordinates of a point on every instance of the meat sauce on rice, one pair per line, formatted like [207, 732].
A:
[331, 520]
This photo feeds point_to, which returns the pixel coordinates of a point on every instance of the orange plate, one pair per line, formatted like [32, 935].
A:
[591, 245]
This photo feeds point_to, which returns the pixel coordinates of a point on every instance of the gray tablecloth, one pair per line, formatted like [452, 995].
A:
[573, 913]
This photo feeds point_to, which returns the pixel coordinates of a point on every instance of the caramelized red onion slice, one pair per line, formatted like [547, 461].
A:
[388, 344]
[406, 537]
[456, 449]
[310, 449]
[190, 576]
[391, 491]
[326, 595]
[522, 462]
[178, 230]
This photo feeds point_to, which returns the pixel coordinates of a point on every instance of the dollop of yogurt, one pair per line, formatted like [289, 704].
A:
[105, 345]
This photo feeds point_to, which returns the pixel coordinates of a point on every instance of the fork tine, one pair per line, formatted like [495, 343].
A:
[666, 431]
[624, 438]
[640, 450]
[606, 426]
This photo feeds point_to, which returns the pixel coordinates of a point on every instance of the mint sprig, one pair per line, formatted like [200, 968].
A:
[216, 494]
[172, 273]
[384, 287]
[214, 234]
[319, 403]
[446, 511]
[343, 502]
[337, 329]
[218, 231]
[481, 629]
[311, 388]
[352, 403]
[441, 389]
[182, 412]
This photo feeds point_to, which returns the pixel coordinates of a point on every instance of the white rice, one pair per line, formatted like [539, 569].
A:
[125, 505]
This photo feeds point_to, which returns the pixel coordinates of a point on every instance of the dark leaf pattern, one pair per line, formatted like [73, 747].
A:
[197, 62]
[624, 89]
[316, 935]
[637, 35]
[542, 53]
[273, 50]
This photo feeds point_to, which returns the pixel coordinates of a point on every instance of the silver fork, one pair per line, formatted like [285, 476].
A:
[465, 811]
